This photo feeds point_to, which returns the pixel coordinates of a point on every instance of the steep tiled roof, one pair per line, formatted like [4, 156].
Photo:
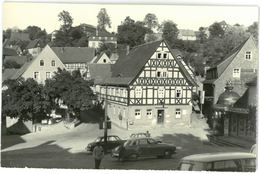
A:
[35, 43]
[224, 63]
[8, 73]
[18, 59]
[20, 71]
[103, 33]
[126, 69]
[100, 72]
[19, 36]
[9, 52]
[131, 64]
[74, 54]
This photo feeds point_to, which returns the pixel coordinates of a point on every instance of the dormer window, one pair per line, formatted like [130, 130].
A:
[41, 62]
[159, 55]
[248, 55]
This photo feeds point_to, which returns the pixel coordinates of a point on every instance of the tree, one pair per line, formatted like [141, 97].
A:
[72, 90]
[253, 29]
[132, 33]
[36, 33]
[23, 99]
[170, 31]
[108, 48]
[216, 30]
[103, 19]
[66, 20]
[202, 35]
[150, 20]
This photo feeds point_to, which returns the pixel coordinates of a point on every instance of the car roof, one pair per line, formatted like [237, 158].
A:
[140, 138]
[108, 136]
[209, 157]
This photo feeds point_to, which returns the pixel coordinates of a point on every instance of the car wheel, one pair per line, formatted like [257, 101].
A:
[167, 154]
[133, 156]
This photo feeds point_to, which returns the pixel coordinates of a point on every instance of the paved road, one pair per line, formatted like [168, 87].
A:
[49, 155]
[65, 148]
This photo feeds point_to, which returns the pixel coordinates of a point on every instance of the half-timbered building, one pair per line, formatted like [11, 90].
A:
[149, 87]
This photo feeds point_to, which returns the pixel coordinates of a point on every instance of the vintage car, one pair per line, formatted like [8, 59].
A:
[112, 142]
[143, 147]
[231, 161]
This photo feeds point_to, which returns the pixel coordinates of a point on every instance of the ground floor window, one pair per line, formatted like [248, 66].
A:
[178, 113]
[149, 113]
[137, 114]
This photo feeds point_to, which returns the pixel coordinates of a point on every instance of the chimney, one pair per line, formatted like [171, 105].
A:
[127, 49]
[62, 49]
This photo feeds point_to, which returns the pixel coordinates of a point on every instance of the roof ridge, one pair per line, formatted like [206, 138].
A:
[147, 43]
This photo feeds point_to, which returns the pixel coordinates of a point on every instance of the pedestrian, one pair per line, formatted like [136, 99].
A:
[98, 154]
[148, 134]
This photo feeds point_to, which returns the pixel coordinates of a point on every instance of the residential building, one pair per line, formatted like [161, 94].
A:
[148, 87]
[101, 58]
[20, 60]
[40, 68]
[238, 114]
[101, 36]
[35, 47]
[239, 67]
[75, 58]
[187, 35]
[16, 36]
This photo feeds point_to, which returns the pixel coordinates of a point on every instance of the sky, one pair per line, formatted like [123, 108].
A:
[45, 15]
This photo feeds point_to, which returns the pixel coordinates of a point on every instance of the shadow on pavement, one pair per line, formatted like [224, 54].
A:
[10, 140]
[43, 155]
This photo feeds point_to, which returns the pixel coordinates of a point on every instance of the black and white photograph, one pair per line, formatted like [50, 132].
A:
[117, 86]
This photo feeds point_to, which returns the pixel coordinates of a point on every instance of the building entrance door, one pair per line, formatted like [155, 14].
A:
[160, 116]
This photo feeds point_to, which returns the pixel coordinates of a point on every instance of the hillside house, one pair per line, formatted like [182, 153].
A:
[239, 67]
[101, 36]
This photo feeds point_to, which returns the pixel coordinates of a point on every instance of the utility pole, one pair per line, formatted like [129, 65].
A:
[105, 126]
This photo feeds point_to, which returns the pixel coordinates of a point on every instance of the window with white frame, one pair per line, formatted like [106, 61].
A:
[138, 92]
[48, 75]
[178, 93]
[137, 114]
[164, 74]
[161, 93]
[236, 72]
[178, 113]
[248, 55]
[53, 63]
[36, 75]
[149, 113]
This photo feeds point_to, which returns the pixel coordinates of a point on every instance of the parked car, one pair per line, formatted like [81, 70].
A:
[233, 161]
[253, 149]
[139, 135]
[112, 142]
[143, 147]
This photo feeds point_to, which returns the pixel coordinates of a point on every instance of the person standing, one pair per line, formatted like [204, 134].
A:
[98, 154]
